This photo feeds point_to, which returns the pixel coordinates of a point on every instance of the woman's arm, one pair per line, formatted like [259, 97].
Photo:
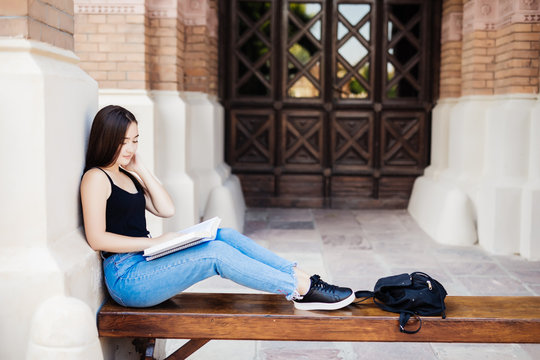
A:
[95, 189]
[158, 201]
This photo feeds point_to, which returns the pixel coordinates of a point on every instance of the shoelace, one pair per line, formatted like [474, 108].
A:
[321, 285]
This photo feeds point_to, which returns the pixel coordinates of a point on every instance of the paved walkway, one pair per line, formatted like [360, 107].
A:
[354, 248]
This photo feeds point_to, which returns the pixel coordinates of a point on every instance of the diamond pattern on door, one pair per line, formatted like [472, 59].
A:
[352, 140]
[304, 50]
[253, 137]
[354, 51]
[302, 140]
[403, 51]
[328, 102]
[402, 140]
[253, 49]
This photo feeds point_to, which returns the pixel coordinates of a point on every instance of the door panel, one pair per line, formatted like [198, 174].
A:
[328, 102]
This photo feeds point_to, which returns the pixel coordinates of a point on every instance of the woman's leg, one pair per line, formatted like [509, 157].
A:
[133, 281]
[255, 251]
[250, 248]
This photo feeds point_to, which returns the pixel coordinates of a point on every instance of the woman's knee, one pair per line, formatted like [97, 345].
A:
[217, 248]
[228, 233]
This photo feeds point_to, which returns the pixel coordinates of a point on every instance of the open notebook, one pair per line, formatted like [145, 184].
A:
[191, 236]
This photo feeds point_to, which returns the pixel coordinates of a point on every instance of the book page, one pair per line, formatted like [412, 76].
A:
[206, 230]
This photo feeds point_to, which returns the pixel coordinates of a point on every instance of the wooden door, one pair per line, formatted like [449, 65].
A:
[328, 103]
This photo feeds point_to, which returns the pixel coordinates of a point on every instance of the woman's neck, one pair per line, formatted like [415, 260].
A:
[114, 168]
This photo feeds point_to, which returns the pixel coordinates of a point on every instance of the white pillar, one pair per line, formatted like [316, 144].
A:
[439, 137]
[172, 144]
[218, 192]
[506, 169]
[441, 201]
[530, 197]
[47, 105]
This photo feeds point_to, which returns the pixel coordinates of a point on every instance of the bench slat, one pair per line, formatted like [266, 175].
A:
[271, 317]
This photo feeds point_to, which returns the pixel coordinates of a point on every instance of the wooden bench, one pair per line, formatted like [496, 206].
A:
[203, 317]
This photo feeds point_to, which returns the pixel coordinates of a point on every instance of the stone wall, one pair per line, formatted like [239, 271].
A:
[483, 175]
[48, 21]
[489, 47]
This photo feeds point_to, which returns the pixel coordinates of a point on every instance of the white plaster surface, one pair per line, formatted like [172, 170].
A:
[47, 104]
[489, 188]
[217, 193]
[64, 328]
[172, 156]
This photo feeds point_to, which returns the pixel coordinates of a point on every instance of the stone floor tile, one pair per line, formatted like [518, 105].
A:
[393, 351]
[514, 262]
[338, 227]
[288, 235]
[494, 286]
[533, 350]
[308, 350]
[225, 349]
[462, 253]
[256, 214]
[342, 243]
[479, 268]
[530, 277]
[283, 214]
[535, 289]
[254, 226]
[291, 225]
[480, 352]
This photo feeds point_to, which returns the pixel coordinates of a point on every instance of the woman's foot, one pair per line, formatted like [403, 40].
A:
[323, 296]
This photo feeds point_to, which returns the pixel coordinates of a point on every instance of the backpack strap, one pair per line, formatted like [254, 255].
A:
[404, 317]
[363, 295]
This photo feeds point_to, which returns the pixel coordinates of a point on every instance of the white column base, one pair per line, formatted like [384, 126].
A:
[492, 179]
[64, 328]
[443, 211]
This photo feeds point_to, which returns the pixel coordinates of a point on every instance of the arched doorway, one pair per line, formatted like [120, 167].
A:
[328, 103]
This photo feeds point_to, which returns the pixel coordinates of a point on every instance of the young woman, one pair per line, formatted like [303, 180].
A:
[116, 189]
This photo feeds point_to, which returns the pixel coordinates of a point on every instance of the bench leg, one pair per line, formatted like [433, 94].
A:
[187, 349]
[145, 347]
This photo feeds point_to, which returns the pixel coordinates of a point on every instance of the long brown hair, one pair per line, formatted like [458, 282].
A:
[107, 134]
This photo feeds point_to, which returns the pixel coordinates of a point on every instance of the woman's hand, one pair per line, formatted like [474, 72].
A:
[158, 201]
[166, 237]
[135, 165]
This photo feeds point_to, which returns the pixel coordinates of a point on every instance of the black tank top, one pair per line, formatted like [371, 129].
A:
[125, 213]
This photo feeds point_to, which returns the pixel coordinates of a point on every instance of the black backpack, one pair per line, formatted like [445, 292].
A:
[409, 295]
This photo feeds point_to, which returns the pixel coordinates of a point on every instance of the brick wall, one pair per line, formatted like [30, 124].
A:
[164, 49]
[451, 49]
[478, 63]
[149, 44]
[49, 21]
[496, 51]
[112, 43]
[200, 57]
[517, 59]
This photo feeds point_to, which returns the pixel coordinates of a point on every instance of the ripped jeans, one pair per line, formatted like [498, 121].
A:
[133, 281]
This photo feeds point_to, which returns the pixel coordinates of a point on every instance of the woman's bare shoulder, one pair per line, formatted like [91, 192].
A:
[95, 178]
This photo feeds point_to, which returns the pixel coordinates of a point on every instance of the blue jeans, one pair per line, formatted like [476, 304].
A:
[133, 281]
